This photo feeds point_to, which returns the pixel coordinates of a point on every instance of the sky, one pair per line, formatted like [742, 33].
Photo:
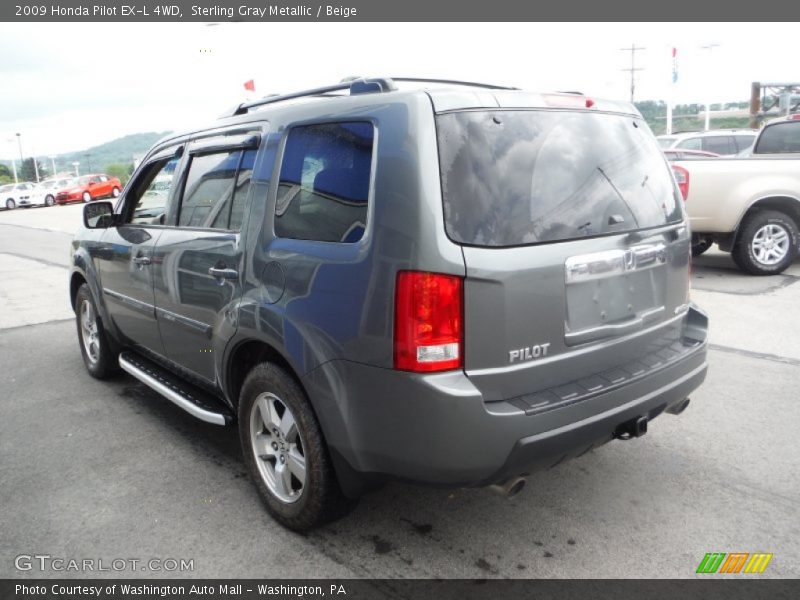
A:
[112, 79]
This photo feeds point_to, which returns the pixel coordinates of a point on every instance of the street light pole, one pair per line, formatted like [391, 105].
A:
[14, 169]
[710, 48]
[75, 164]
[53, 164]
[19, 142]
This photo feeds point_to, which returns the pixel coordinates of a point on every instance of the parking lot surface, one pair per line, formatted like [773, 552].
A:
[111, 470]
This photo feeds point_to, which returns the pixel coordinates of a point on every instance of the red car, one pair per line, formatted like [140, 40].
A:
[90, 187]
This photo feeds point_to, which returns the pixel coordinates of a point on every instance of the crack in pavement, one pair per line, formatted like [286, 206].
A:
[786, 360]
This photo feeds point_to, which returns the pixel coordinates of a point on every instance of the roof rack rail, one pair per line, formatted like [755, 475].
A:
[356, 85]
[488, 86]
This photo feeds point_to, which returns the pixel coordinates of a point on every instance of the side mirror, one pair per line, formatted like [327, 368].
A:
[98, 215]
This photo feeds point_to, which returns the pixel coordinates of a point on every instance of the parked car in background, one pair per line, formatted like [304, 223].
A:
[45, 193]
[90, 187]
[675, 154]
[723, 142]
[17, 194]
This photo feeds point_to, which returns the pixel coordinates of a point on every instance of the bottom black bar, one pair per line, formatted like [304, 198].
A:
[397, 589]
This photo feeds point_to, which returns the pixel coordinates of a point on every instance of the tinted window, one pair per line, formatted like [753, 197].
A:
[719, 144]
[208, 190]
[151, 192]
[783, 137]
[522, 177]
[694, 143]
[743, 142]
[324, 182]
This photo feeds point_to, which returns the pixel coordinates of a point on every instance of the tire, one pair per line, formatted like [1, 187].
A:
[10, 204]
[766, 244]
[100, 360]
[700, 247]
[276, 447]
[87, 197]
[49, 201]
[115, 192]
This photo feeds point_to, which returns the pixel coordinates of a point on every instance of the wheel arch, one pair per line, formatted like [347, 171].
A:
[788, 205]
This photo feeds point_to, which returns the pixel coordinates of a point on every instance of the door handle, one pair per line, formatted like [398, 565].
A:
[223, 273]
[141, 260]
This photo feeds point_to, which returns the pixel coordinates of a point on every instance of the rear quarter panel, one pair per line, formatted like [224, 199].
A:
[721, 190]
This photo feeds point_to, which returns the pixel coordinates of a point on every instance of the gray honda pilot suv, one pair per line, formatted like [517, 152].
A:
[446, 283]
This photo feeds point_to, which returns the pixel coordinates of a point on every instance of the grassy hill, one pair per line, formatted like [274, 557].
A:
[119, 151]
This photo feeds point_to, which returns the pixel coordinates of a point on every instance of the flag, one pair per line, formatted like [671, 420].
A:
[674, 65]
[250, 85]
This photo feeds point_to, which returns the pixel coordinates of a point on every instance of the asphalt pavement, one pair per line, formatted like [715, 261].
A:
[110, 470]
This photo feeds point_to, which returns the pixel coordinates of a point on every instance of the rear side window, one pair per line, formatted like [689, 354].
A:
[523, 177]
[324, 182]
[719, 144]
[743, 142]
[209, 188]
[776, 139]
[694, 143]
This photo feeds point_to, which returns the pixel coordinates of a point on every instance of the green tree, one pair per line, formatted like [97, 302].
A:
[6, 176]
[121, 170]
[27, 171]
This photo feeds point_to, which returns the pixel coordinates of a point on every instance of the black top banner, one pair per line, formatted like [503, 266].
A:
[387, 10]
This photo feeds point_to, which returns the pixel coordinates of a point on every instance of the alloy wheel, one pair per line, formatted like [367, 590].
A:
[770, 244]
[90, 332]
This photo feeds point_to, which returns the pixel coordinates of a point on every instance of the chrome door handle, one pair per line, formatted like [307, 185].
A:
[223, 273]
[141, 260]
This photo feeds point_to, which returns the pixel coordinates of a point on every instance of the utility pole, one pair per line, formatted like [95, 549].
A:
[633, 68]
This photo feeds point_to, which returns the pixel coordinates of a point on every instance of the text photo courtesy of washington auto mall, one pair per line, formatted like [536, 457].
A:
[306, 297]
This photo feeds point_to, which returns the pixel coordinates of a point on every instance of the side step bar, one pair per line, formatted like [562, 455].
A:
[193, 400]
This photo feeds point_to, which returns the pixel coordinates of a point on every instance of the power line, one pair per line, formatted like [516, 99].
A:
[633, 68]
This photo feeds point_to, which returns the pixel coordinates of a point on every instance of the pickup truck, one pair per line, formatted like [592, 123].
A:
[748, 206]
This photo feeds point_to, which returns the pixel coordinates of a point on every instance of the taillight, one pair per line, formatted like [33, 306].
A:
[682, 177]
[428, 322]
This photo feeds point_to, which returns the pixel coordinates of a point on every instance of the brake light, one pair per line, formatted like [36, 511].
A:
[428, 322]
[568, 100]
[682, 177]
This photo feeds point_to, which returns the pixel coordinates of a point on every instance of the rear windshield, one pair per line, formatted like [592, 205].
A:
[523, 177]
[780, 138]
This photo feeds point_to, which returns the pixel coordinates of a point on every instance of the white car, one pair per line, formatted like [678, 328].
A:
[723, 142]
[45, 193]
[13, 195]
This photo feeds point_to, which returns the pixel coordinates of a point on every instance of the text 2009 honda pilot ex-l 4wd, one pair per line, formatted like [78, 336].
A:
[447, 284]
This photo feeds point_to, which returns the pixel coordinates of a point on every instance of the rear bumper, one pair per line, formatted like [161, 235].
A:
[436, 429]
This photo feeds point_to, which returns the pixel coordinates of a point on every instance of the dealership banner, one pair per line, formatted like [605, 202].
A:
[397, 589]
[385, 10]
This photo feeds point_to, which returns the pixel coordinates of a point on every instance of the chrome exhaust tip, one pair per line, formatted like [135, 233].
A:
[510, 487]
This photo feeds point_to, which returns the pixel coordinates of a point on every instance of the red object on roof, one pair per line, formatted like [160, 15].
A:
[250, 85]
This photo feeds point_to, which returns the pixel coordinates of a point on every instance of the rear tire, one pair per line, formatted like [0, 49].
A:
[115, 192]
[87, 197]
[99, 358]
[285, 451]
[767, 243]
[49, 201]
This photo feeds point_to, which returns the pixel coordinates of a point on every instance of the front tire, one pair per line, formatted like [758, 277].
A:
[285, 451]
[100, 360]
[767, 244]
[87, 197]
[10, 204]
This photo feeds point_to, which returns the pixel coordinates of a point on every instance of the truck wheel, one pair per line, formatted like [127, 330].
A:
[100, 360]
[285, 452]
[767, 243]
[700, 247]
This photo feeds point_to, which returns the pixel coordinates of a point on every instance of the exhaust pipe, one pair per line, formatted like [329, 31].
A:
[678, 408]
[510, 487]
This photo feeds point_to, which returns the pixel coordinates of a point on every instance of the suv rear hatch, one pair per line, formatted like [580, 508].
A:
[575, 246]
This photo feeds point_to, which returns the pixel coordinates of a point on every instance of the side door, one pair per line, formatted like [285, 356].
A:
[198, 263]
[95, 187]
[103, 186]
[125, 258]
